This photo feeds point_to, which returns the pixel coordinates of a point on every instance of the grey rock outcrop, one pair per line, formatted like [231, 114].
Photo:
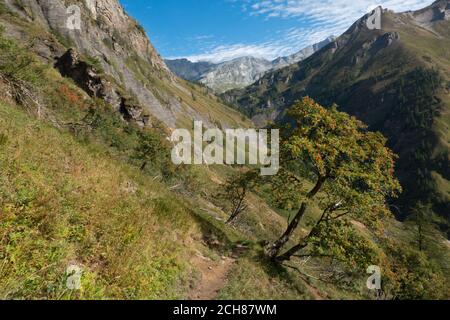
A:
[237, 73]
[128, 59]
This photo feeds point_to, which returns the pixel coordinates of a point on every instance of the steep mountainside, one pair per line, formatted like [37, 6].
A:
[239, 72]
[88, 189]
[396, 79]
[129, 73]
[301, 55]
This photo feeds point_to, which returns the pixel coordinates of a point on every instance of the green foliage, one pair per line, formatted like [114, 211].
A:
[108, 42]
[352, 169]
[153, 150]
[3, 8]
[282, 192]
[93, 62]
[107, 125]
[146, 148]
[418, 103]
[412, 276]
[339, 240]
[421, 218]
[17, 64]
[3, 139]
[357, 168]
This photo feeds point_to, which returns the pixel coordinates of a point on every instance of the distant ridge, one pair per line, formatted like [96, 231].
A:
[239, 72]
[396, 80]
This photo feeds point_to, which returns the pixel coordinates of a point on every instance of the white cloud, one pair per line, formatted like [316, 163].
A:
[319, 19]
[328, 11]
[229, 52]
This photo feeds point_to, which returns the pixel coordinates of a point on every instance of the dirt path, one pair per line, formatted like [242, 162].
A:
[316, 293]
[213, 276]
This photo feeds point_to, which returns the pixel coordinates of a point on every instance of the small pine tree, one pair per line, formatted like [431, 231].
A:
[421, 218]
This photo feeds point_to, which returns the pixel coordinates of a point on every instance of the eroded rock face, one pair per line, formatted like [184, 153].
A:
[237, 73]
[70, 65]
[385, 41]
[440, 10]
[88, 78]
[115, 39]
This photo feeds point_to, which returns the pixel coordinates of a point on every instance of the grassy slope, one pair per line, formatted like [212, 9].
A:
[65, 203]
[71, 197]
[189, 95]
[74, 196]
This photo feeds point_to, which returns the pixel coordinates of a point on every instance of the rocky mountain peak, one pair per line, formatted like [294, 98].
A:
[239, 72]
[438, 11]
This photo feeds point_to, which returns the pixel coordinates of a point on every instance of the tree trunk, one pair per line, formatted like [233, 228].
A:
[304, 243]
[420, 238]
[233, 216]
[278, 245]
[239, 207]
[291, 252]
[237, 210]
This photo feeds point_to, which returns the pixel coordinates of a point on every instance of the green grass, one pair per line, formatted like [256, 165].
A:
[62, 203]
[75, 195]
[254, 279]
[71, 192]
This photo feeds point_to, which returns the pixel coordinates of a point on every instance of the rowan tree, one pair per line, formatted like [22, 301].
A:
[351, 168]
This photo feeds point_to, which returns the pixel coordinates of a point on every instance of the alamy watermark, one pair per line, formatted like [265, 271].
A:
[73, 273]
[374, 281]
[232, 146]
[73, 21]
[374, 20]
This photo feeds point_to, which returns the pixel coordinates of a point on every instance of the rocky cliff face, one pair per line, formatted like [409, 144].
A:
[191, 71]
[125, 60]
[440, 10]
[237, 73]
[107, 34]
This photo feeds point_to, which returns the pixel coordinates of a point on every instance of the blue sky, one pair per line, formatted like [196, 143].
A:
[218, 30]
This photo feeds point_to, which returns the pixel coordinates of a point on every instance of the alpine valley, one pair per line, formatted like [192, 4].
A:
[92, 207]
[396, 80]
[239, 72]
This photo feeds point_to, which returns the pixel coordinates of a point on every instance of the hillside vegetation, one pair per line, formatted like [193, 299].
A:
[82, 184]
[395, 80]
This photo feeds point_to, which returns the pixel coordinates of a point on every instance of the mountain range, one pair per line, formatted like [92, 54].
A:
[395, 79]
[239, 72]
[88, 186]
